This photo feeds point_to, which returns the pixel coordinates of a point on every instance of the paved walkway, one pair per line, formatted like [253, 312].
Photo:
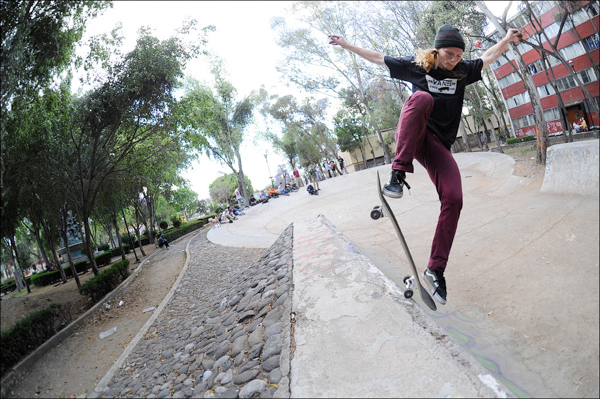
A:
[510, 236]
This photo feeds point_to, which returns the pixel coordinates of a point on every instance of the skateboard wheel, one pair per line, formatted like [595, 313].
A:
[408, 293]
[406, 279]
[375, 214]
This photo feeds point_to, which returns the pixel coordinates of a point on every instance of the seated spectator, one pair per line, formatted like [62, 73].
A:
[264, 198]
[229, 211]
[253, 200]
[162, 240]
[282, 190]
[583, 124]
[225, 217]
[291, 186]
[311, 190]
[273, 193]
[236, 210]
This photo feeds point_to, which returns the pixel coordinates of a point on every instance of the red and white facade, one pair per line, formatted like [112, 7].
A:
[583, 55]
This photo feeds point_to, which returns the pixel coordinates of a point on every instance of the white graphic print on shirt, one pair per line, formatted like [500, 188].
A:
[446, 86]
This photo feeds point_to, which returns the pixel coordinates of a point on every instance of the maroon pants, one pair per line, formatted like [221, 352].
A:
[414, 141]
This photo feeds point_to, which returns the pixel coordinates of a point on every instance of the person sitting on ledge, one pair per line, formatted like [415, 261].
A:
[253, 200]
[264, 198]
[273, 193]
[311, 190]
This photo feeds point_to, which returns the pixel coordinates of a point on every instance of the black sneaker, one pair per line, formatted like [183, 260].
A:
[437, 284]
[393, 188]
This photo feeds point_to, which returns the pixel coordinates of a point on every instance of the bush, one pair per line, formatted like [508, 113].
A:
[163, 224]
[8, 287]
[523, 139]
[97, 287]
[186, 228]
[176, 222]
[47, 278]
[117, 251]
[528, 138]
[29, 333]
[103, 247]
[103, 259]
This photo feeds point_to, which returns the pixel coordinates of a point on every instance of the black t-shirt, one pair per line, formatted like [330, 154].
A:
[447, 91]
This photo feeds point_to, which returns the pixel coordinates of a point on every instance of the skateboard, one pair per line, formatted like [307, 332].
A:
[410, 281]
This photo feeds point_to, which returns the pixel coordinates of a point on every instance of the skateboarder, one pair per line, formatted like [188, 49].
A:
[428, 126]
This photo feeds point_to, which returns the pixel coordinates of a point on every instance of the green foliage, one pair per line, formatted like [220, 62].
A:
[47, 278]
[103, 247]
[185, 200]
[97, 287]
[103, 259]
[163, 224]
[38, 41]
[185, 229]
[117, 251]
[523, 139]
[176, 221]
[30, 332]
[220, 117]
[222, 188]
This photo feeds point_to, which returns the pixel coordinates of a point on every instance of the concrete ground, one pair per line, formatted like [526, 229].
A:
[522, 278]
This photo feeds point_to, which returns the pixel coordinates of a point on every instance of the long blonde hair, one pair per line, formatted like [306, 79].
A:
[427, 59]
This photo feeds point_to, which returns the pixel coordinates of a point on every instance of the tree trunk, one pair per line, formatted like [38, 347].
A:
[20, 274]
[88, 244]
[498, 146]
[131, 243]
[119, 239]
[136, 227]
[53, 246]
[36, 233]
[63, 231]
[538, 116]
[465, 137]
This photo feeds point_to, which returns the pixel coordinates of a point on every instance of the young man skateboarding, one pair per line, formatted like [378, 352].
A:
[428, 126]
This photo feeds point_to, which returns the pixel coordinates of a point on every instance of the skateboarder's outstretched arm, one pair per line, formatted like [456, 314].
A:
[494, 52]
[369, 55]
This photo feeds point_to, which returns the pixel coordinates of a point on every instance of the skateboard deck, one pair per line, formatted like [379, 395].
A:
[388, 212]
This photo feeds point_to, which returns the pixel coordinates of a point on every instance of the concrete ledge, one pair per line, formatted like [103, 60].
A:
[355, 335]
[572, 168]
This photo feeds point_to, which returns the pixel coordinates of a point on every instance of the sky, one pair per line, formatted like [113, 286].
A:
[244, 40]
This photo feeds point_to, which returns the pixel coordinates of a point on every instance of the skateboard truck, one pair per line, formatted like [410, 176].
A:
[377, 212]
[410, 283]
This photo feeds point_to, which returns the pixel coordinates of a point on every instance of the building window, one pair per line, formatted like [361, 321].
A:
[593, 9]
[524, 121]
[545, 90]
[568, 53]
[551, 114]
[591, 42]
[519, 99]
[508, 80]
[536, 67]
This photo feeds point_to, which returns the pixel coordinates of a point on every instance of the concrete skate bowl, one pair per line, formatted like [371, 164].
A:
[572, 168]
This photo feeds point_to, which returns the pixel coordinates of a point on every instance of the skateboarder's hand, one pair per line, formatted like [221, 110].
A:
[514, 33]
[338, 40]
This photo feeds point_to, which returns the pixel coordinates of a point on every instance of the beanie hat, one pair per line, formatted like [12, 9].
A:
[448, 36]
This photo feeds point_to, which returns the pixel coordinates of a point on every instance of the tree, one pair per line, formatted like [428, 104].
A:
[38, 39]
[303, 50]
[222, 188]
[111, 123]
[220, 120]
[185, 201]
[538, 115]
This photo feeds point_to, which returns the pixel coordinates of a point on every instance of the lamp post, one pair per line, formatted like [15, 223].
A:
[269, 169]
